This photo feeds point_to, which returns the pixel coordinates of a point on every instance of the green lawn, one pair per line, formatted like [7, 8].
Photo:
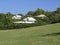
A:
[40, 35]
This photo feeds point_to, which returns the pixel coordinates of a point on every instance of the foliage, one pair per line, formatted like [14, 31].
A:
[30, 13]
[6, 21]
[58, 10]
[38, 12]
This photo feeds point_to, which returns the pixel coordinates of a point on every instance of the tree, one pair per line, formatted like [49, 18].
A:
[9, 14]
[58, 10]
[2, 18]
[20, 14]
[50, 15]
[30, 13]
[57, 17]
[38, 12]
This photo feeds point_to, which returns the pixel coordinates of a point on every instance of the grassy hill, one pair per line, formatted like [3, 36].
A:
[40, 35]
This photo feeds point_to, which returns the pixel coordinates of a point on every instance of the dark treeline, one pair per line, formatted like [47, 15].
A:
[6, 21]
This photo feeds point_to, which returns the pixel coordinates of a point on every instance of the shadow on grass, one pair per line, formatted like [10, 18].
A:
[52, 34]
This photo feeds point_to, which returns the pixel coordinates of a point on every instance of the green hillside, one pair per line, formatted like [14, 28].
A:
[40, 35]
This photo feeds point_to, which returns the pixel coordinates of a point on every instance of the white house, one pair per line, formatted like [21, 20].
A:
[27, 20]
[16, 17]
[41, 16]
[30, 19]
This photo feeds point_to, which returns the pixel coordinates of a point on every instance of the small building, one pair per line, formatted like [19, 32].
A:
[16, 17]
[29, 19]
[42, 16]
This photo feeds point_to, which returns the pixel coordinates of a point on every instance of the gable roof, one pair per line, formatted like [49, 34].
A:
[16, 17]
[42, 15]
[30, 19]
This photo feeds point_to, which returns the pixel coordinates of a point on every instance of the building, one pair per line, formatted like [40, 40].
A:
[30, 19]
[16, 17]
[42, 16]
[27, 20]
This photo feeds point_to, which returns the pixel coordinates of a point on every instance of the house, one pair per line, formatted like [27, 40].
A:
[16, 17]
[30, 19]
[27, 20]
[42, 16]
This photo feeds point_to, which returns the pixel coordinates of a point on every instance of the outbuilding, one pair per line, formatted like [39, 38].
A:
[42, 16]
[16, 17]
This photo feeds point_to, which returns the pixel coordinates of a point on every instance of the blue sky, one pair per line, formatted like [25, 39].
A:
[23, 6]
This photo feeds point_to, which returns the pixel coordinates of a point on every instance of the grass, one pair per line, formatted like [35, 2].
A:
[40, 35]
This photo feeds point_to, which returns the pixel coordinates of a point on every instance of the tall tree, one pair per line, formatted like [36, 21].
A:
[20, 14]
[58, 10]
[38, 12]
[30, 13]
